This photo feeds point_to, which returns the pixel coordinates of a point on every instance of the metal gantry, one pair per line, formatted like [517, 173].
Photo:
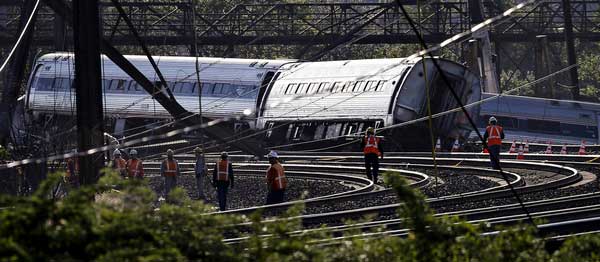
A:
[169, 23]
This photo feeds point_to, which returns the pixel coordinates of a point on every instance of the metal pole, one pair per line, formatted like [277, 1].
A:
[571, 56]
[88, 89]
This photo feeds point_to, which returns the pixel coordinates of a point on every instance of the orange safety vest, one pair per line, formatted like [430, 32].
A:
[494, 132]
[223, 170]
[135, 168]
[72, 161]
[119, 164]
[371, 145]
[171, 168]
[276, 177]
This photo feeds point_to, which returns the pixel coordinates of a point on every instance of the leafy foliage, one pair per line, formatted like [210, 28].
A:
[119, 220]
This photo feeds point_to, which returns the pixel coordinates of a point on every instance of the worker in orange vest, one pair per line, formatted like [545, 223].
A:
[494, 135]
[169, 169]
[119, 164]
[223, 179]
[72, 174]
[372, 149]
[135, 166]
[276, 181]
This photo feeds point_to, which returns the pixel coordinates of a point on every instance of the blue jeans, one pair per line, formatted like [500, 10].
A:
[495, 153]
[170, 183]
[222, 196]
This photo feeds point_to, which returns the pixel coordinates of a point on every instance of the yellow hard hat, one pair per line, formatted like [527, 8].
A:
[370, 130]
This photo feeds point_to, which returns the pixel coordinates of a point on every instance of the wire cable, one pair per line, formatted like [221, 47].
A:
[25, 28]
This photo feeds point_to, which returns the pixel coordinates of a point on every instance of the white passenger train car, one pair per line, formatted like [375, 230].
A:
[317, 100]
[229, 86]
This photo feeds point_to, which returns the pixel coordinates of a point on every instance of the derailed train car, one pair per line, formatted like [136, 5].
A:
[330, 102]
[294, 101]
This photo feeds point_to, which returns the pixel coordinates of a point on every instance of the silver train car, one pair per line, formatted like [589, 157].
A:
[315, 101]
[542, 120]
[230, 86]
[294, 101]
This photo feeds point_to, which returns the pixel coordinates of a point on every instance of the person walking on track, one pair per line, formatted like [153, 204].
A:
[276, 181]
[493, 137]
[223, 180]
[373, 150]
[169, 169]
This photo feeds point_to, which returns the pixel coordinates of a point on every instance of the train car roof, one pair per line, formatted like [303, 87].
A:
[346, 68]
[173, 67]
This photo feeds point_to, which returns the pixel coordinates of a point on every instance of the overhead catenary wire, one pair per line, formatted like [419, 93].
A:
[18, 42]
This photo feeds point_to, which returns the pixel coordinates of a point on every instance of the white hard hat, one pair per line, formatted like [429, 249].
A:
[117, 152]
[492, 119]
[272, 154]
[224, 154]
[133, 152]
[170, 152]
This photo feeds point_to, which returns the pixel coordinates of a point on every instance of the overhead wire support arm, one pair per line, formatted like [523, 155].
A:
[461, 104]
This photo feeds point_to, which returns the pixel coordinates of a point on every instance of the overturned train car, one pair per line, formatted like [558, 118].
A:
[327, 105]
[309, 105]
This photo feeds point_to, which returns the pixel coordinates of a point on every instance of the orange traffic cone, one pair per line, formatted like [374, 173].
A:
[520, 156]
[456, 146]
[513, 148]
[549, 149]
[563, 150]
[526, 149]
[438, 145]
[582, 148]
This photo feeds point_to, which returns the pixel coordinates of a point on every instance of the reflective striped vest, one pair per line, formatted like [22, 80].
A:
[223, 170]
[120, 165]
[371, 145]
[135, 168]
[494, 132]
[170, 168]
[276, 177]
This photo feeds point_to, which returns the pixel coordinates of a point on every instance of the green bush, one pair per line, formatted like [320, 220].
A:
[118, 220]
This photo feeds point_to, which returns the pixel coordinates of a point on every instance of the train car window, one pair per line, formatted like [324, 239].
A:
[302, 88]
[380, 85]
[207, 88]
[105, 84]
[312, 88]
[322, 87]
[187, 88]
[370, 86]
[290, 88]
[359, 87]
[336, 87]
[218, 89]
[43, 84]
[113, 85]
[195, 88]
[348, 86]
[228, 89]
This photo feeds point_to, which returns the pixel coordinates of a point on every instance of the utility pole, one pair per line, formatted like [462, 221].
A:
[571, 56]
[88, 89]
